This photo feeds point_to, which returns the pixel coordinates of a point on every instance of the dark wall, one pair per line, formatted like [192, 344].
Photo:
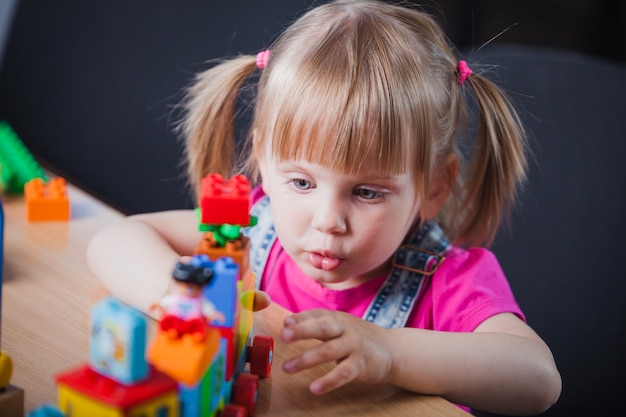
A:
[90, 86]
[594, 27]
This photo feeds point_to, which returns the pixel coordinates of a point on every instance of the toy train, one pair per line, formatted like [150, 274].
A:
[197, 363]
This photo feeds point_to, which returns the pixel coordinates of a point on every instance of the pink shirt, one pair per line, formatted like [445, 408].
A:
[467, 288]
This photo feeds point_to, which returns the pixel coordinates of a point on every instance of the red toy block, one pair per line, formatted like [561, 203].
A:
[225, 201]
[108, 391]
[47, 201]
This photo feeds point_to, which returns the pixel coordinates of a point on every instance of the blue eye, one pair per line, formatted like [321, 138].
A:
[301, 184]
[367, 194]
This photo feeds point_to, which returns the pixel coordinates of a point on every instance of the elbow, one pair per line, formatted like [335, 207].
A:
[549, 386]
[552, 392]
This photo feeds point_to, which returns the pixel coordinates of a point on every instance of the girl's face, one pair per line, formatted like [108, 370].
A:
[341, 230]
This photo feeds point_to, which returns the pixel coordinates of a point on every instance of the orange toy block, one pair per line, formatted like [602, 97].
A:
[184, 359]
[46, 201]
[238, 249]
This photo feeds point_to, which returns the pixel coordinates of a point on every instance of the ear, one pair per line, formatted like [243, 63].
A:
[440, 188]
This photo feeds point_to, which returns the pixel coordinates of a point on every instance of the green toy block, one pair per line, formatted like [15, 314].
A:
[17, 164]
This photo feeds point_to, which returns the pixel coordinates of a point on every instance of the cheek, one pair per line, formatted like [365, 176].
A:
[397, 223]
[287, 217]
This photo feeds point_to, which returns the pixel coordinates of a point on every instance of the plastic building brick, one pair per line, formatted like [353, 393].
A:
[222, 292]
[46, 410]
[6, 370]
[185, 359]
[11, 398]
[18, 166]
[12, 402]
[6, 365]
[237, 249]
[118, 341]
[201, 348]
[47, 201]
[225, 201]
[85, 392]
[209, 394]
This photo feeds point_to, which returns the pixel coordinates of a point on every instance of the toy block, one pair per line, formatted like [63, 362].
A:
[85, 392]
[17, 164]
[215, 389]
[209, 394]
[118, 341]
[222, 291]
[225, 201]
[6, 364]
[46, 410]
[185, 358]
[12, 401]
[238, 250]
[47, 201]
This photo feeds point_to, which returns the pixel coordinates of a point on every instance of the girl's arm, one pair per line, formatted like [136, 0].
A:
[134, 258]
[502, 367]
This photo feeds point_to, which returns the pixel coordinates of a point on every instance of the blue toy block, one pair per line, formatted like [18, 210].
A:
[189, 398]
[118, 341]
[1, 252]
[46, 410]
[204, 398]
[222, 292]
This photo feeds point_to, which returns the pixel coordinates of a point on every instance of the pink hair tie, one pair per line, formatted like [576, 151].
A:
[464, 72]
[262, 58]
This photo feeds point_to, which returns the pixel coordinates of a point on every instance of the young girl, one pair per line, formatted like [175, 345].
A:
[366, 206]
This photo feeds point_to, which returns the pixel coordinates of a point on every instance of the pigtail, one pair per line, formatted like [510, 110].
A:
[499, 163]
[208, 123]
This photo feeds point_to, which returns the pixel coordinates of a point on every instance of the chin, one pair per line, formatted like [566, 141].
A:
[321, 276]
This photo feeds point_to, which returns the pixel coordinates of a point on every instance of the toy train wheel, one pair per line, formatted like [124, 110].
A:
[261, 356]
[231, 410]
[245, 392]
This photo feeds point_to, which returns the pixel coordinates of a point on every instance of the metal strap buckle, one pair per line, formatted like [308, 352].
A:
[439, 260]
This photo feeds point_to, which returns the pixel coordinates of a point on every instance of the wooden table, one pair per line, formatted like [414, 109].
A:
[49, 289]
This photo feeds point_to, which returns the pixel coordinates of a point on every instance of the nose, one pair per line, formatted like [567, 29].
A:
[330, 217]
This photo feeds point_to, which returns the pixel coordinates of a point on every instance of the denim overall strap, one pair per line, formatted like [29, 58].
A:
[412, 266]
[262, 237]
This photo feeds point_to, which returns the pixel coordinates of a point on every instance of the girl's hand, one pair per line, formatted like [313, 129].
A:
[360, 348]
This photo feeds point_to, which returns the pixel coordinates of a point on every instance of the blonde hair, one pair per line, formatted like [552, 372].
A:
[364, 82]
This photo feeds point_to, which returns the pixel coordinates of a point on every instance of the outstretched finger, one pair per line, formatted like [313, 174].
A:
[331, 351]
[306, 316]
[323, 328]
[342, 374]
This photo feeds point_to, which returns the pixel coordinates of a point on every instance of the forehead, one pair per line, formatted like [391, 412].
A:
[367, 174]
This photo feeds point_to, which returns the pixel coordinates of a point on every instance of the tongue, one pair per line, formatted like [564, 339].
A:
[323, 262]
